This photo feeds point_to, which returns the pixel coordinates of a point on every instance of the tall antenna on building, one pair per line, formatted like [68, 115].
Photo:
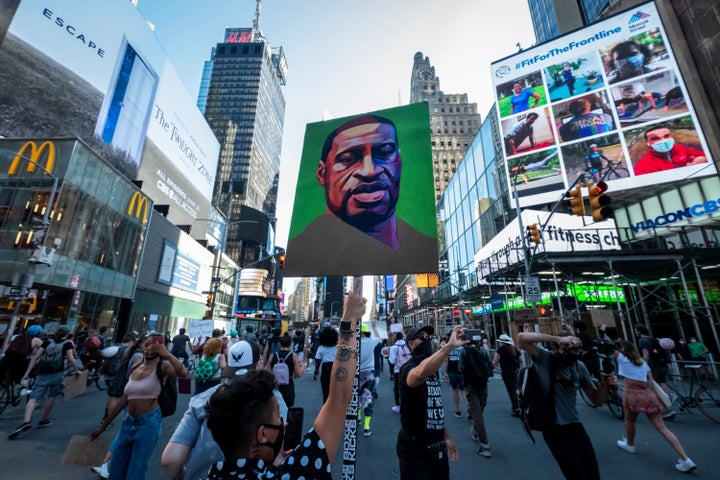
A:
[256, 22]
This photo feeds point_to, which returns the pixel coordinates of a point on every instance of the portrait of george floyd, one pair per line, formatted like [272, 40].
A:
[365, 197]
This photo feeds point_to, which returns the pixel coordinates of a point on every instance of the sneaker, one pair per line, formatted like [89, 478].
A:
[102, 470]
[622, 443]
[396, 409]
[458, 414]
[22, 428]
[44, 423]
[669, 415]
[686, 465]
[474, 435]
[367, 432]
[484, 450]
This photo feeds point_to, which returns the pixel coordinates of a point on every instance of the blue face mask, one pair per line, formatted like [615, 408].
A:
[663, 146]
[630, 64]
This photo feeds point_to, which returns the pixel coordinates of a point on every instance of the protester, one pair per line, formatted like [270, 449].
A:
[368, 386]
[49, 359]
[294, 365]
[207, 372]
[191, 450]
[476, 368]
[453, 375]
[134, 444]
[245, 420]
[19, 352]
[640, 397]
[324, 356]
[656, 358]
[399, 355]
[567, 439]
[508, 358]
[424, 444]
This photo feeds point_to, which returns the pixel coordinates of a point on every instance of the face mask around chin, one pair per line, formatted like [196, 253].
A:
[663, 146]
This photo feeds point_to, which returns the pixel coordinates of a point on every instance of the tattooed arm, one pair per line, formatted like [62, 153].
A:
[330, 422]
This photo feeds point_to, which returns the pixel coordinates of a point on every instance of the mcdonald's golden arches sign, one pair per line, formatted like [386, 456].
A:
[32, 152]
[138, 207]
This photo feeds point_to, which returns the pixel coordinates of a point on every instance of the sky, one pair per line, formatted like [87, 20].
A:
[346, 58]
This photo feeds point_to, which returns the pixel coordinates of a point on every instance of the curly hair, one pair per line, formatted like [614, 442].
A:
[328, 337]
[238, 408]
[212, 347]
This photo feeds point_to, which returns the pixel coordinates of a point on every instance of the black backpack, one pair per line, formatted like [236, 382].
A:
[21, 345]
[167, 401]
[535, 399]
[116, 386]
[478, 367]
[111, 365]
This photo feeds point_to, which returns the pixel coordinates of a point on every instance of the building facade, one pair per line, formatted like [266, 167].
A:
[551, 18]
[245, 107]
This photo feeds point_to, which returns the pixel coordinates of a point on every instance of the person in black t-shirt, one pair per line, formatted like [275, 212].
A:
[179, 346]
[424, 443]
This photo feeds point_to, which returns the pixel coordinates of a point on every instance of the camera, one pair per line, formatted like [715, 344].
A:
[473, 334]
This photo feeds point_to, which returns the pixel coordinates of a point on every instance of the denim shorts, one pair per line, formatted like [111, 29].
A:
[48, 384]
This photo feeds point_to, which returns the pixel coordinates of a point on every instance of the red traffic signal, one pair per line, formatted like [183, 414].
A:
[281, 261]
[599, 201]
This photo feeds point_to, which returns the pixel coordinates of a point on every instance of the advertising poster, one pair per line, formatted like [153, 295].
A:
[606, 102]
[98, 72]
[365, 202]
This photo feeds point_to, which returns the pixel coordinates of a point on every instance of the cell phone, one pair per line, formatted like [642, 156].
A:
[159, 339]
[293, 432]
[473, 334]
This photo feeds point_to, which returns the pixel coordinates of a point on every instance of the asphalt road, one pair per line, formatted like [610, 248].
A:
[36, 454]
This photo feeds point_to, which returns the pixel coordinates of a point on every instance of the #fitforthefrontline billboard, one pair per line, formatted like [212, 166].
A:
[98, 72]
[608, 101]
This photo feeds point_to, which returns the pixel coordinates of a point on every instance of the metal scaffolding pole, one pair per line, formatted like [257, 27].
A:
[557, 292]
[701, 294]
[689, 300]
[617, 297]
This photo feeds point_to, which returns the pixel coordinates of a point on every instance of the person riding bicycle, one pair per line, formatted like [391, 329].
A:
[17, 356]
[593, 161]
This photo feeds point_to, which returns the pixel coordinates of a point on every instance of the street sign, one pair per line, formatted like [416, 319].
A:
[524, 315]
[496, 301]
[532, 289]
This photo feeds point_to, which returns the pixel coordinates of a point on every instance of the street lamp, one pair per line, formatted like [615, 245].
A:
[19, 292]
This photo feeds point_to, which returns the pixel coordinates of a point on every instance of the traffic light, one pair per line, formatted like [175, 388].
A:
[576, 202]
[533, 233]
[599, 202]
[281, 261]
[209, 301]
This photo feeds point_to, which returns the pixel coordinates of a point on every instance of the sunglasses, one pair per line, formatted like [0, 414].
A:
[655, 138]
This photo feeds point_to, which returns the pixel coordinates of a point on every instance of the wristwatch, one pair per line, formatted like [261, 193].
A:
[346, 327]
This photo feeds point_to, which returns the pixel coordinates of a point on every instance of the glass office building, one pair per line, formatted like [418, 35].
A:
[245, 108]
[72, 230]
[552, 18]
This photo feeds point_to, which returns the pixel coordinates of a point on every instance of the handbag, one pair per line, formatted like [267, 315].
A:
[661, 394]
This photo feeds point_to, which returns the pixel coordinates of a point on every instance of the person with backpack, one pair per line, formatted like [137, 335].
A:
[50, 361]
[399, 355]
[657, 359]
[560, 375]
[454, 376]
[116, 371]
[134, 444]
[207, 372]
[476, 367]
[20, 351]
[285, 364]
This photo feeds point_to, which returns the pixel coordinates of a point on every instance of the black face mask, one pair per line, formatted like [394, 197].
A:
[278, 443]
[422, 351]
[567, 359]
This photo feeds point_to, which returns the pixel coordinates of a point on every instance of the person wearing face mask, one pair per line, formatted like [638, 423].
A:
[665, 154]
[628, 59]
[567, 439]
[244, 418]
[424, 444]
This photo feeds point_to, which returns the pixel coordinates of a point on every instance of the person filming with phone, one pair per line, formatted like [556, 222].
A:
[244, 418]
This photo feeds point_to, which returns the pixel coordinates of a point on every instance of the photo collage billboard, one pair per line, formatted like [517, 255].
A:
[606, 102]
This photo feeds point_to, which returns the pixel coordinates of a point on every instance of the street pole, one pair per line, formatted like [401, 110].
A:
[29, 276]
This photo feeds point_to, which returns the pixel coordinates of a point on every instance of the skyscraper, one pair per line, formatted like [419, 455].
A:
[454, 121]
[245, 107]
[551, 18]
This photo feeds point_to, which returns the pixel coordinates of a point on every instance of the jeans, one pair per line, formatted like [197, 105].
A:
[477, 400]
[134, 446]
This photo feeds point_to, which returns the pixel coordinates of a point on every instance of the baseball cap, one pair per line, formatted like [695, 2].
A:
[504, 338]
[233, 333]
[242, 357]
[364, 328]
[34, 330]
[413, 333]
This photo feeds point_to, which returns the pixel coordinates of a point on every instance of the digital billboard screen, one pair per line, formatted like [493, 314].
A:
[98, 72]
[604, 102]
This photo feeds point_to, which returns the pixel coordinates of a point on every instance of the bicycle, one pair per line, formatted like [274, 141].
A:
[601, 358]
[11, 392]
[611, 171]
[705, 398]
[94, 375]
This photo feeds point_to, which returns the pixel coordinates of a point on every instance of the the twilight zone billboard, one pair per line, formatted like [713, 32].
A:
[607, 100]
[95, 70]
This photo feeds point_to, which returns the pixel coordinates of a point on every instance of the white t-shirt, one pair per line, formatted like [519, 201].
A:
[629, 370]
[325, 354]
